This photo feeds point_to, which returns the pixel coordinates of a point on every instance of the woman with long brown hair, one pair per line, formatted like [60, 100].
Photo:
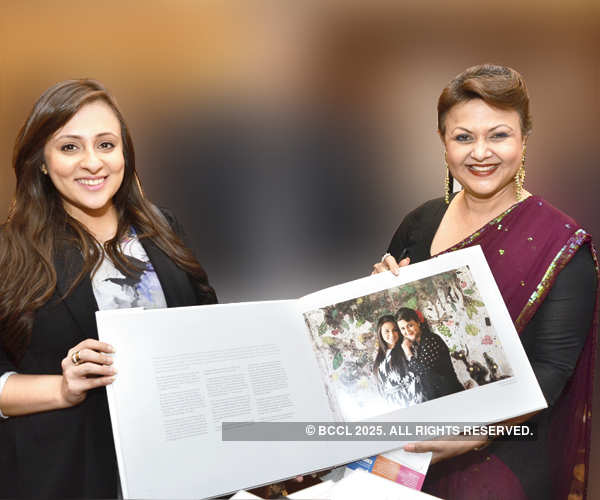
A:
[80, 236]
[396, 382]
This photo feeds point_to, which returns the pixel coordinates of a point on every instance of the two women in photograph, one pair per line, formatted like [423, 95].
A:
[80, 237]
[546, 270]
[413, 364]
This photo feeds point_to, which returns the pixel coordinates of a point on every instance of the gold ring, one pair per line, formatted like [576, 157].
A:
[75, 358]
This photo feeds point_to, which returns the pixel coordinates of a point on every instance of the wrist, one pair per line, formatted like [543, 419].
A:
[61, 398]
[482, 444]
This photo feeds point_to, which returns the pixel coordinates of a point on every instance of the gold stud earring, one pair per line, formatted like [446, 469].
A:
[520, 176]
[44, 169]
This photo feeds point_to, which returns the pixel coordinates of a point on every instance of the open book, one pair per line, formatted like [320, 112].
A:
[185, 371]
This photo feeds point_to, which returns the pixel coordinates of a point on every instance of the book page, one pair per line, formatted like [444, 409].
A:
[181, 373]
[459, 310]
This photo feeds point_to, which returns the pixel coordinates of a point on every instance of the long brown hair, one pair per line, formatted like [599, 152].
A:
[38, 224]
[382, 346]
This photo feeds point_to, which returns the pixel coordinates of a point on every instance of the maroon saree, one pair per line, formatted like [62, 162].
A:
[526, 247]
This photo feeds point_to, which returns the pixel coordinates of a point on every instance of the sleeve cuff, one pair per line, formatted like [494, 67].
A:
[3, 380]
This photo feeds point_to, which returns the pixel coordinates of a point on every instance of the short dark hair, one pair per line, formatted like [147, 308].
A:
[498, 86]
[408, 314]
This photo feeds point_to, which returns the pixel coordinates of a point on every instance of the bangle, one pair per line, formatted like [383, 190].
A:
[385, 256]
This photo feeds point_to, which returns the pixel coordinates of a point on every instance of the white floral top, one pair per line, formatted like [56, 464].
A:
[113, 290]
[399, 387]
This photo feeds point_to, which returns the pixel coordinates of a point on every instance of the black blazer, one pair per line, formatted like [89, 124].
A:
[70, 452]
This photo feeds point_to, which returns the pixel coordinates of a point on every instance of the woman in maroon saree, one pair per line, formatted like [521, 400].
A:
[546, 269]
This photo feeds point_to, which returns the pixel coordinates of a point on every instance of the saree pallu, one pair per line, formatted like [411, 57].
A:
[526, 247]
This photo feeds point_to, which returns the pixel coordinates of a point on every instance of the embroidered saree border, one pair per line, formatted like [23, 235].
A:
[564, 255]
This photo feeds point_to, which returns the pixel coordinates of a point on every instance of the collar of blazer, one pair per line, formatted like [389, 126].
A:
[81, 302]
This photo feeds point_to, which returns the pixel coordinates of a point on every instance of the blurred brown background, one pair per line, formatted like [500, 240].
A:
[291, 138]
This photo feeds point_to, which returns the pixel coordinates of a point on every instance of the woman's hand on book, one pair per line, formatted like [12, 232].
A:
[457, 445]
[443, 450]
[86, 366]
[388, 263]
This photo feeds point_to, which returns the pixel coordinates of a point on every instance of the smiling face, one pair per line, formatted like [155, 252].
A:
[85, 160]
[390, 334]
[410, 330]
[484, 148]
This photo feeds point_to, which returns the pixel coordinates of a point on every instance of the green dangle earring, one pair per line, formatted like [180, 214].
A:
[448, 181]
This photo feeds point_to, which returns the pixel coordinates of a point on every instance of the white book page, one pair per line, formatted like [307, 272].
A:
[182, 371]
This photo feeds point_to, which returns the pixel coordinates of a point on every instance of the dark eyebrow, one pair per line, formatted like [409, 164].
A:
[501, 125]
[463, 128]
[72, 136]
[493, 128]
[69, 137]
